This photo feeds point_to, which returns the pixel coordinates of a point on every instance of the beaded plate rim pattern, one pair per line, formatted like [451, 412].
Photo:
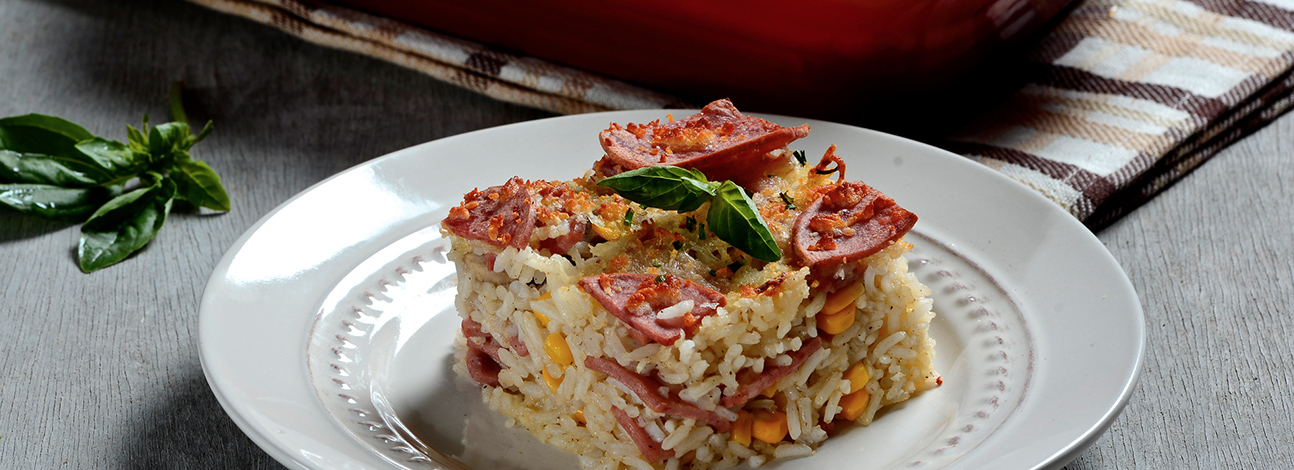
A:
[347, 353]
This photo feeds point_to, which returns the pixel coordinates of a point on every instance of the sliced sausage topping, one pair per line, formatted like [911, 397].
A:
[562, 244]
[500, 215]
[480, 340]
[655, 307]
[751, 383]
[849, 222]
[483, 369]
[651, 449]
[484, 342]
[719, 141]
[648, 390]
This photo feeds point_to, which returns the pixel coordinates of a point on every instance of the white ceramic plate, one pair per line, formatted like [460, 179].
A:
[325, 330]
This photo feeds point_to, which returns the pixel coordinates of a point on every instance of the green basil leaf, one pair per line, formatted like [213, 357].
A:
[663, 187]
[197, 183]
[114, 157]
[137, 139]
[37, 133]
[34, 168]
[734, 219]
[165, 139]
[50, 143]
[53, 202]
[124, 225]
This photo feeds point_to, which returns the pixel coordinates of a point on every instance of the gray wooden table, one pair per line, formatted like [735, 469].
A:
[102, 370]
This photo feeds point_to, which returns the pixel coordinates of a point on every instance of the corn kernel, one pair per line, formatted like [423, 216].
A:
[741, 427]
[769, 426]
[558, 351]
[543, 320]
[837, 323]
[838, 300]
[768, 392]
[545, 296]
[857, 376]
[579, 416]
[553, 382]
[853, 405]
[689, 456]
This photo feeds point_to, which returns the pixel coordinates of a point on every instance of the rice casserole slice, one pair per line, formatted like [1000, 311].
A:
[635, 337]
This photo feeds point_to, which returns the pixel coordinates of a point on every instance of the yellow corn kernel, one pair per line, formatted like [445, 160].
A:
[545, 296]
[836, 323]
[853, 405]
[579, 416]
[769, 426]
[768, 392]
[558, 351]
[838, 300]
[553, 382]
[857, 376]
[741, 427]
[543, 320]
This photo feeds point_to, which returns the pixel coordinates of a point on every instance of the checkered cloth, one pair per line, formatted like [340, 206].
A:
[1124, 97]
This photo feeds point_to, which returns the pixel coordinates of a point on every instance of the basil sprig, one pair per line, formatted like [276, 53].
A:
[52, 168]
[733, 216]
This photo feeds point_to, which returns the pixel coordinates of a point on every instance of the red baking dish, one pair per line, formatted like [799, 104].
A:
[815, 58]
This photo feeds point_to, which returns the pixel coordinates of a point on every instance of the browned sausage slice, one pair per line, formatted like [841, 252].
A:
[648, 391]
[640, 299]
[849, 222]
[751, 383]
[719, 141]
[500, 215]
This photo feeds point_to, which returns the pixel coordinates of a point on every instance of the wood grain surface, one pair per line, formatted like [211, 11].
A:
[102, 370]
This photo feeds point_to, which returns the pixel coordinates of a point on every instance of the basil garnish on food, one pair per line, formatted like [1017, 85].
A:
[734, 219]
[53, 168]
[733, 216]
[663, 187]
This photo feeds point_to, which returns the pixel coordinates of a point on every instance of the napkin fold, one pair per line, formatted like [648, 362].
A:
[1123, 97]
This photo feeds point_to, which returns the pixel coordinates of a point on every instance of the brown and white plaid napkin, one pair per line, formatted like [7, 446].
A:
[1124, 98]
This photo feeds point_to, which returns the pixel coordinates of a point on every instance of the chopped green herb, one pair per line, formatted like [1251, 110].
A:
[629, 217]
[660, 278]
[790, 202]
[655, 265]
[713, 272]
[737, 265]
[800, 157]
[678, 245]
[691, 223]
[700, 231]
